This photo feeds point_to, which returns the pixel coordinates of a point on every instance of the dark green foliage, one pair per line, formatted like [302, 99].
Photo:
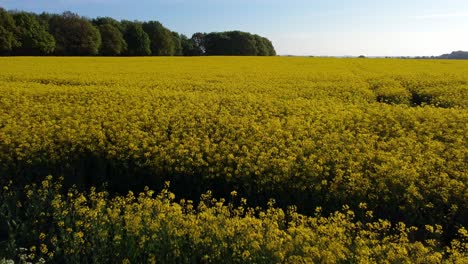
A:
[161, 39]
[34, 38]
[112, 38]
[264, 46]
[74, 35]
[138, 42]
[107, 20]
[270, 48]
[217, 44]
[69, 34]
[242, 43]
[8, 33]
[44, 19]
[197, 44]
[178, 49]
[6, 40]
[237, 43]
[113, 43]
[187, 45]
[261, 46]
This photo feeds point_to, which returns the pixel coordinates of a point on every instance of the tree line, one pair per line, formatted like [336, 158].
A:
[68, 34]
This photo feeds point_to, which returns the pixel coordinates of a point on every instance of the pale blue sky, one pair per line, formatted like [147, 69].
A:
[297, 27]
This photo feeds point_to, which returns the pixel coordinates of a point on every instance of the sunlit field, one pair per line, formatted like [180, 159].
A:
[270, 160]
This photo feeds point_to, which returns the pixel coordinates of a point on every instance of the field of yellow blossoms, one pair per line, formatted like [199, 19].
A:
[233, 160]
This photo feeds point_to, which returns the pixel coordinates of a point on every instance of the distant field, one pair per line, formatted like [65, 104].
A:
[309, 132]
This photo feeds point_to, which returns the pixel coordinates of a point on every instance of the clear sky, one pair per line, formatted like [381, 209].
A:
[297, 27]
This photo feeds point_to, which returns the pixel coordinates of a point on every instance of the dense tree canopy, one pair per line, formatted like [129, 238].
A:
[138, 42]
[8, 33]
[74, 35]
[264, 46]
[178, 49]
[99, 21]
[237, 43]
[198, 40]
[161, 38]
[113, 42]
[34, 38]
[69, 34]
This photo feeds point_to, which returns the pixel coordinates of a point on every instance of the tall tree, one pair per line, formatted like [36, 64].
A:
[44, 19]
[99, 21]
[34, 38]
[261, 45]
[176, 39]
[138, 43]
[8, 33]
[74, 35]
[161, 39]
[198, 41]
[112, 40]
[270, 48]
[187, 45]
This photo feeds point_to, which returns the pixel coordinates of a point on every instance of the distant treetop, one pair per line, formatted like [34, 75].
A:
[455, 55]
[69, 34]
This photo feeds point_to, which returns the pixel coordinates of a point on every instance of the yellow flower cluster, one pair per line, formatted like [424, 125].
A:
[145, 228]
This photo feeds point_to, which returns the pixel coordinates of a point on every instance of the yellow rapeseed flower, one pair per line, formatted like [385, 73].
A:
[44, 249]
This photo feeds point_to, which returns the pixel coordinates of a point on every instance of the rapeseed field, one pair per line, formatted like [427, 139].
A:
[319, 160]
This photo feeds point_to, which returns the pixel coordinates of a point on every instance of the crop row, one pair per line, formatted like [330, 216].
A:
[54, 225]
